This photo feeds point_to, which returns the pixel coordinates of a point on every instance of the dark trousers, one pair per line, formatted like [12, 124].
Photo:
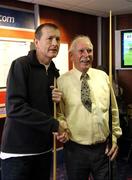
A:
[27, 168]
[83, 160]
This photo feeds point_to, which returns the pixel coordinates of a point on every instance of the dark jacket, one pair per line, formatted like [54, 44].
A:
[29, 123]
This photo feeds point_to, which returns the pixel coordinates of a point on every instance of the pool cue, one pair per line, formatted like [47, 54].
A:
[110, 48]
[110, 78]
[54, 140]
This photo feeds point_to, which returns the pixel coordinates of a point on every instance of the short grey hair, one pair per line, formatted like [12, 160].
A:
[76, 39]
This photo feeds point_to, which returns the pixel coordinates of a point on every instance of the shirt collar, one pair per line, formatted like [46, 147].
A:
[78, 73]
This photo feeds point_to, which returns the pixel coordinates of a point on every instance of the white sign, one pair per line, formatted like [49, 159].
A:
[61, 61]
[9, 51]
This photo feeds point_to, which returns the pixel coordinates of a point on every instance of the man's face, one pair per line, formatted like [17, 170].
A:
[47, 46]
[82, 56]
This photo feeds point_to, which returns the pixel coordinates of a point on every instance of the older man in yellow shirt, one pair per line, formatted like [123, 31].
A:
[86, 151]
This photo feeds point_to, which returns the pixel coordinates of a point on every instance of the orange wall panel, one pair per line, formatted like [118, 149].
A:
[9, 33]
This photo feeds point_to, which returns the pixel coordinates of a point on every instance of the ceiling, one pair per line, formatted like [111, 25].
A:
[93, 7]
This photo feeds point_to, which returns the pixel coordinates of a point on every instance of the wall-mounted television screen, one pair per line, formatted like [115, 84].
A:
[126, 49]
[123, 49]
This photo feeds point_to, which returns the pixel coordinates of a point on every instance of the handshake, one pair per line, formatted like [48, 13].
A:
[63, 132]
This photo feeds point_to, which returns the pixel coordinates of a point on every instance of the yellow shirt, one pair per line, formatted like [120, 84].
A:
[85, 127]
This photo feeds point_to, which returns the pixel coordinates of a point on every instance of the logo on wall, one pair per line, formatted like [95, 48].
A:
[16, 18]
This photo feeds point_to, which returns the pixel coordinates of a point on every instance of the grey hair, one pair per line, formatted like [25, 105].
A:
[76, 39]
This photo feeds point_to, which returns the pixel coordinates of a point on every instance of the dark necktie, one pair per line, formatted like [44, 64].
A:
[85, 92]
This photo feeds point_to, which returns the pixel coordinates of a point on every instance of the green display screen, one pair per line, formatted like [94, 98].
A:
[126, 49]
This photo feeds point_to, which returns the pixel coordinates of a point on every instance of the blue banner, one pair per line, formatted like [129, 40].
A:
[16, 18]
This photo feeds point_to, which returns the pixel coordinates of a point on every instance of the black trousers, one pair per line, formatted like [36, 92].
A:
[35, 167]
[83, 160]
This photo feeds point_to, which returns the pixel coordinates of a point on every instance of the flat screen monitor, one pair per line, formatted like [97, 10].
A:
[126, 49]
[123, 49]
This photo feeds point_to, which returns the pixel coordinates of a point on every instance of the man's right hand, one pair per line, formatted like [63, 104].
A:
[63, 137]
[63, 132]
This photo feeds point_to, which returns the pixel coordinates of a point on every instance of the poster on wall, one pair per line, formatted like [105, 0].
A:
[9, 51]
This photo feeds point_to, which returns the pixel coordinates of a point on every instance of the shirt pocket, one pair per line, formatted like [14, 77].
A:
[103, 97]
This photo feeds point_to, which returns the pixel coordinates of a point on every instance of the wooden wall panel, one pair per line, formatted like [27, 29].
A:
[124, 21]
[125, 81]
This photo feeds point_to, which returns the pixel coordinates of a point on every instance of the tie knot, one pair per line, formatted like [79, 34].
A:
[84, 76]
